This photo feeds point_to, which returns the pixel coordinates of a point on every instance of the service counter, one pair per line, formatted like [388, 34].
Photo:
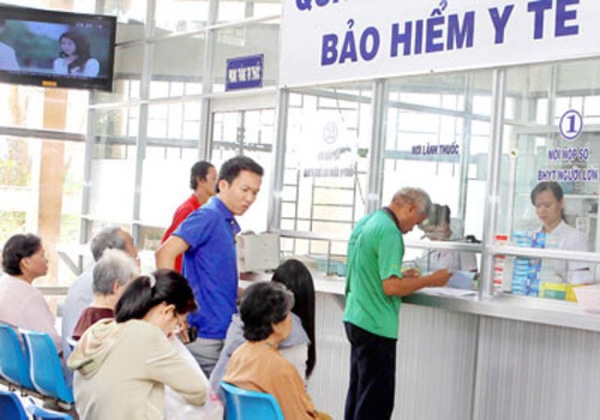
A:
[506, 357]
[519, 308]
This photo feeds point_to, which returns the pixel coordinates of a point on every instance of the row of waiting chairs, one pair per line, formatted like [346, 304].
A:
[33, 369]
[11, 408]
[36, 369]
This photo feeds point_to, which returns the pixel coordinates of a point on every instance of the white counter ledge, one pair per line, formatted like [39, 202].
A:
[537, 310]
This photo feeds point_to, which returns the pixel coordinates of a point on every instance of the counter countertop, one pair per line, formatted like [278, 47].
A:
[519, 308]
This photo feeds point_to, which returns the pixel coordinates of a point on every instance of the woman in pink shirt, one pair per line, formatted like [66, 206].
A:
[21, 304]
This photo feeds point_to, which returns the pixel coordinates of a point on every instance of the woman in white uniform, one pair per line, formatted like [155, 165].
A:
[437, 228]
[548, 199]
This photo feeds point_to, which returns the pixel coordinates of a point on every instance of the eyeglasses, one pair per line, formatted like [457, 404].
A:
[181, 323]
[187, 333]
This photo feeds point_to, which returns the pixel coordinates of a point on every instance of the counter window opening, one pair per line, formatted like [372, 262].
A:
[549, 179]
[436, 137]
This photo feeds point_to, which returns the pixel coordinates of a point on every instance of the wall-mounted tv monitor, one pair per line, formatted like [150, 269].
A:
[56, 49]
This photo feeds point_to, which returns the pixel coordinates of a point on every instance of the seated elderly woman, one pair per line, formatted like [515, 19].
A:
[300, 346]
[257, 364]
[111, 273]
[21, 304]
[122, 366]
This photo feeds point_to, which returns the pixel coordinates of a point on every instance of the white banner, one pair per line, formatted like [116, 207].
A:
[327, 41]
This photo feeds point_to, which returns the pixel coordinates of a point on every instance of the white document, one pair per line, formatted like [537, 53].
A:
[447, 291]
[461, 280]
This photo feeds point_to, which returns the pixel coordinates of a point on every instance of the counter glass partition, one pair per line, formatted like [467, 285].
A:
[325, 171]
[112, 169]
[248, 133]
[550, 176]
[438, 139]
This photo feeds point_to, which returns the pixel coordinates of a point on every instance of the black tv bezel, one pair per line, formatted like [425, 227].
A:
[61, 81]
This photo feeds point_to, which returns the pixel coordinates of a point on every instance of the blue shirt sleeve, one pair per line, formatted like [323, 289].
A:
[196, 228]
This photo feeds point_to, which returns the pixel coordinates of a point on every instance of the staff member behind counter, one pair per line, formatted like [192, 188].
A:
[547, 197]
[437, 228]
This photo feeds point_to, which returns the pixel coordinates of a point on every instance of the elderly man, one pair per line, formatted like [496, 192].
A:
[81, 292]
[111, 274]
[374, 285]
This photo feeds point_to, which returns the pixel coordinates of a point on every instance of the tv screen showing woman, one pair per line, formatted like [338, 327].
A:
[56, 49]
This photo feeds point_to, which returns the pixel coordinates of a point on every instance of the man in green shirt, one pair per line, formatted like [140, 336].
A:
[374, 286]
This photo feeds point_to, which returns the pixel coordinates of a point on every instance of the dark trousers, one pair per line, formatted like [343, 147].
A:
[372, 375]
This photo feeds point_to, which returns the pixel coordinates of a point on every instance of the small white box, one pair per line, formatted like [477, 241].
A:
[588, 298]
[257, 252]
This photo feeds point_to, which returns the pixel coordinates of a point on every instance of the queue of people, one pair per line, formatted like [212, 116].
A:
[139, 346]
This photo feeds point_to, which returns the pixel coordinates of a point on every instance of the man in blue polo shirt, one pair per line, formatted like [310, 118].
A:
[207, 240]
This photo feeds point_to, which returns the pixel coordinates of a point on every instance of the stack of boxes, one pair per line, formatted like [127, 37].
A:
[526, 271]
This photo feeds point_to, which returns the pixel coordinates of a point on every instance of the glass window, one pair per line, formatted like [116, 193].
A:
[550, 171]
[131, 18]
[437, 139]
[173, 133]
[23, 107]
[247, 40]
[175, 16]
[250, 133]
[127, 75]
[113, 164]
[177, 66]
[40, 192]
[235, 10]
[325, 178]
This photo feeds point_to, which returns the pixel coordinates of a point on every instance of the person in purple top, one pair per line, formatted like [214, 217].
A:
[207, 240]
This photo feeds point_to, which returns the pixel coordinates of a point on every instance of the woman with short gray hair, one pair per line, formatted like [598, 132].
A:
[111, 274]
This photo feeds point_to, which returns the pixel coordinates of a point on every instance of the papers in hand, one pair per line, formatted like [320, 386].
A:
[461, 280]
[447, 291]
[459, 285]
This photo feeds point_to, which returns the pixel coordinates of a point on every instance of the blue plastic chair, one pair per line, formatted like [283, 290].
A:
[14, 359]
[45, 368]
[241, 404]
[12, 409]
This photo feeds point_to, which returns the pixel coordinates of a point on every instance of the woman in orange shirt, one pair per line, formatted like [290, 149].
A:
[257, 365]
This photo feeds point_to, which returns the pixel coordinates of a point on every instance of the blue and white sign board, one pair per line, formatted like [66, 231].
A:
[244, 72]
[327, 41]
